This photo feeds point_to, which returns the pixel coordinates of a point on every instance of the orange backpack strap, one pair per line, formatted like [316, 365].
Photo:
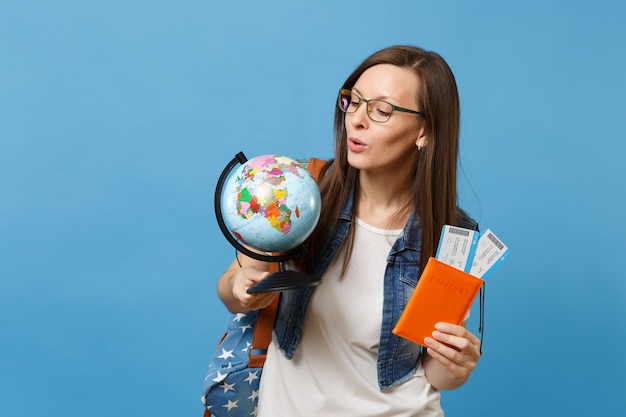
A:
[264, 326]
[317, 167]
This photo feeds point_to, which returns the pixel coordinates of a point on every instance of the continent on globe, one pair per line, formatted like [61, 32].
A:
[268, 197]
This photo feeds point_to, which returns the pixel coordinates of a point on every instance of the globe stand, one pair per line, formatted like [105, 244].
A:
[278, 281]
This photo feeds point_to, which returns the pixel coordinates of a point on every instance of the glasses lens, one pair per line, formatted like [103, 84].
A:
[379, 111]
[347, 102]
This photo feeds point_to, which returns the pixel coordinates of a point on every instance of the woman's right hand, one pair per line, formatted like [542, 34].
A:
[245, 278]
[233, 285]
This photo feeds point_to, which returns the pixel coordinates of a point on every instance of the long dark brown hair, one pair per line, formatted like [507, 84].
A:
[433, 189]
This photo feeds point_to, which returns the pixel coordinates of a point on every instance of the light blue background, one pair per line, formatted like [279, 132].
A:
[116, 118]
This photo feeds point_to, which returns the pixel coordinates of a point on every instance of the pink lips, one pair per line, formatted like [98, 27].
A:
[356, 145]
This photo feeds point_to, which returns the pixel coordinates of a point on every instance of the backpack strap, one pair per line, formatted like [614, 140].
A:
[264, 325]
[317, 167]
[263, 328]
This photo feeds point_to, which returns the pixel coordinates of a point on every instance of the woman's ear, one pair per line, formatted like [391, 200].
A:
[422, 138]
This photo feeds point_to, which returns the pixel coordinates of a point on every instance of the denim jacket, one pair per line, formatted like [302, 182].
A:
[397, 357]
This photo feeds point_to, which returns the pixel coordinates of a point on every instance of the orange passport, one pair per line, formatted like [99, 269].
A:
[443, 294]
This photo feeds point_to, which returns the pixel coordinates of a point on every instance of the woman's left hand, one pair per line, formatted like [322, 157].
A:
[456, 349]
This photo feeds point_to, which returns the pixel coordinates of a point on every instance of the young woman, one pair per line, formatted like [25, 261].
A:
[385, 198]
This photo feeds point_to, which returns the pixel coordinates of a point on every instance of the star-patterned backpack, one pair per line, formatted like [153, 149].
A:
[231, 387]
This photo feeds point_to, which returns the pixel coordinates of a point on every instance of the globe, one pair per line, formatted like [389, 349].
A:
[271, 203]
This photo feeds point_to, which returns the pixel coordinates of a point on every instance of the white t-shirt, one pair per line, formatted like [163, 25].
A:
[334, 370]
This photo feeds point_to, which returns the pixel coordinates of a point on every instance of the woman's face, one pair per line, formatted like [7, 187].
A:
[385, 146]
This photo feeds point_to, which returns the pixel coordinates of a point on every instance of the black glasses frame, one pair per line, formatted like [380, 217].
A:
[345, 92]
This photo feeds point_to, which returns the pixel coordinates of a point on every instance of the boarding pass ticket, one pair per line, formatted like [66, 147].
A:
[456, 247]
[490, 251]
[470, 251]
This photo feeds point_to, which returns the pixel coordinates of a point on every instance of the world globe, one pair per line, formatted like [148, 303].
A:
[271, 203]
[266, 209]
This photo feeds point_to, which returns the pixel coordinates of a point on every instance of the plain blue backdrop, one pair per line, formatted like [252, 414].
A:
[116, 118]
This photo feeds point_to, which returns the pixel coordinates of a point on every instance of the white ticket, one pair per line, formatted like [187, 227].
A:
[490, 252]
[456, 247]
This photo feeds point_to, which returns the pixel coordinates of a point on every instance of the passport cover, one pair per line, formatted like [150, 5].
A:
[443, 294]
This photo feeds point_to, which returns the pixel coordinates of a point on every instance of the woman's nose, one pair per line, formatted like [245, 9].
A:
[360, 118]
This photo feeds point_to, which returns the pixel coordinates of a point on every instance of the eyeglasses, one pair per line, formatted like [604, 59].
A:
[377, 110]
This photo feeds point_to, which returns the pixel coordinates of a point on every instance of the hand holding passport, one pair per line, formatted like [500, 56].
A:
[450, 282]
